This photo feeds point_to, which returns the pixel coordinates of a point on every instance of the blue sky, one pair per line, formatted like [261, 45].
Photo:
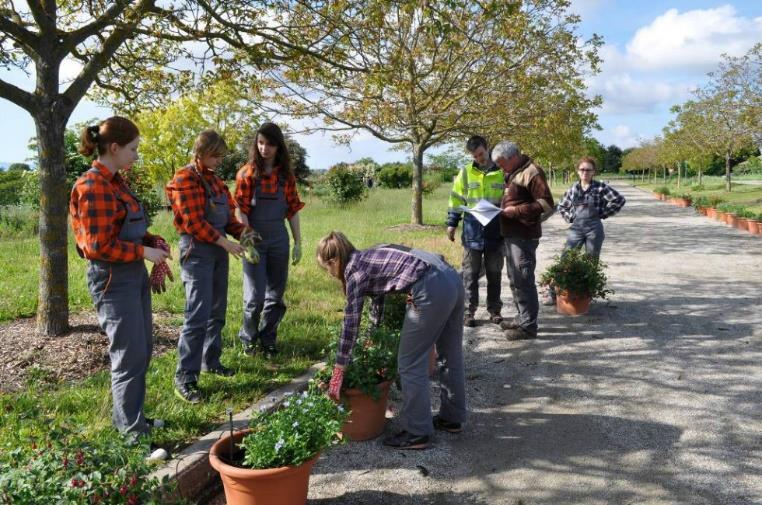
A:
[655, 52]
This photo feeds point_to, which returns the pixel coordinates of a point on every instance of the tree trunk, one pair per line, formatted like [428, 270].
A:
[727, 172]
[678, 175]
[664, 173]
[699, 177]
[416, 216]
[53, 304]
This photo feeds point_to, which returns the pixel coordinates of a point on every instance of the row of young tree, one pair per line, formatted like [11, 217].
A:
[414, 74]
[720, 124]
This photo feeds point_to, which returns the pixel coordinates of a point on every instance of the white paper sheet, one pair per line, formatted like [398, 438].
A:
[483, 211]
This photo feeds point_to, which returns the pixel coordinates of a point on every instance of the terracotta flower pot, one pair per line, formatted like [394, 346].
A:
[683, 202]
[742, 224]
[368, 416]
[719, 216]
[731, 219]
[287, 485]
[572, 304]
[754, 226]
[711, 212]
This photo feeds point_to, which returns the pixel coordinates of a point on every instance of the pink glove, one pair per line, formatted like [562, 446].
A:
[334, 387]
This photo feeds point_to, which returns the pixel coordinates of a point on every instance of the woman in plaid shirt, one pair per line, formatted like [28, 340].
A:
[110, 229]
[266, 196]
[204, 215]
[584, 206]
[434, 316]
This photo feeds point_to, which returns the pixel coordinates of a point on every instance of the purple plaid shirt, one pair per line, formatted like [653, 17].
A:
[373, 272]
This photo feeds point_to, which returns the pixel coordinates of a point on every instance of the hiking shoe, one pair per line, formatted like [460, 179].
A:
[188, 392]
[220, 370]
[495, 318]
[519, 334]
[469, 321]
[509, 324]
[270, 351]
[445, 425]
[407, 441]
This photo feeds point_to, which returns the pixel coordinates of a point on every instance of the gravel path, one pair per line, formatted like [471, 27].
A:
[654, 397]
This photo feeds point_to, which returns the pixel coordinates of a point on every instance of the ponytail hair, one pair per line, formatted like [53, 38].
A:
[209, 142]
[95, 139]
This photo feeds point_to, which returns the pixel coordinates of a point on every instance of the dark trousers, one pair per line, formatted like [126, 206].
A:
[491, 260]
[521, 260]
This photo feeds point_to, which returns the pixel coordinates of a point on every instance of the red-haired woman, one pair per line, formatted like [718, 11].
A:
[110, 227]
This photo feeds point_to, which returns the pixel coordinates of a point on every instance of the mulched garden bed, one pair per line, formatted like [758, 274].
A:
[75, 355]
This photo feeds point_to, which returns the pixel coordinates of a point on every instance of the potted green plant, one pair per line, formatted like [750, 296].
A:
[682, 199]
[367, 379]
[662, 192]
[713, 202]
[577, 278]
[271, 461]
[729, 213]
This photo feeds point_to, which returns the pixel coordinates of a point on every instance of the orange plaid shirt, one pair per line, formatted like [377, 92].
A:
[188, 199]
[98, 207]
[244, 189]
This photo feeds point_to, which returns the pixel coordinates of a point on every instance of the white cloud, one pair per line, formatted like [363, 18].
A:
[692, 39]
[623, 94]
[624, 137]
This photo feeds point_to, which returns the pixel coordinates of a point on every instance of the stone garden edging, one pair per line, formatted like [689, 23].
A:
[190, 469]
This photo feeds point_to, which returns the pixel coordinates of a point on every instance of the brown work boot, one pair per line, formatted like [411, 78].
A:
[509, 324]
[468, 320]
[519, 334]
[495, 318]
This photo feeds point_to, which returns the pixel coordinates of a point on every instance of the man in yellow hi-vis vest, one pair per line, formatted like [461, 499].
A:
[482, 245]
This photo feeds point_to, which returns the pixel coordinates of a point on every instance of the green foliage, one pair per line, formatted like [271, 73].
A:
[19, 167]
[701, 201]
[64, 467]
[19, 221]
[396, 175]
[345, 187]
[684, 196]
[753, 165]
[662, 190]
[305, 425]
[141, 185]
[577, 272]
[11, 184]
[447, 165]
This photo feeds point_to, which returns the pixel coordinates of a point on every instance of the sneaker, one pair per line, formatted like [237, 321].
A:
[188, 392]
[509, 324]
[155, 423]
[156, 454]
[269, 351]
[220, 370]
[495, 318]
[468, 320]
[444, 425]
[519, 334]
[407, 441]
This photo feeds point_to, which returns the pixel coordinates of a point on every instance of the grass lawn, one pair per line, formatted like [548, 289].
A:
[314, 301]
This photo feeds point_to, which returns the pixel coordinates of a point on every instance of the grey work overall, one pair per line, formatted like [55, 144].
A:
[122, 300]
[205, 279]
[587, 228]
[265, 283]
[435, 317]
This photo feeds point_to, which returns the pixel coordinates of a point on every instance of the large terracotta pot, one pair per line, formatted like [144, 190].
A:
[701, 211]
[368, 416]
[719, 216]
[572, 304]
[731, 219]
[754, 226]
[711, 212]
[287, 485]
[742, 224]
[683, 202]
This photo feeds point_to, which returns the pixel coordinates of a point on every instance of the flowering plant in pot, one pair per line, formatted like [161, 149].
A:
[577, 278]
[272, 460]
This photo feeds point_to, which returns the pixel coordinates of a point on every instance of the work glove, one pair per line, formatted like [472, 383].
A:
[249, 240]
[296, 254]
[160, 271]
[334, 387]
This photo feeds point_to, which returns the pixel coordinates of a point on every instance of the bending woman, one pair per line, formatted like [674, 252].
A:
[434, 316]
[110, 228]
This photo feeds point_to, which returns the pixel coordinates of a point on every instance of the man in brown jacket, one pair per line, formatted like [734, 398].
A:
[526, 203]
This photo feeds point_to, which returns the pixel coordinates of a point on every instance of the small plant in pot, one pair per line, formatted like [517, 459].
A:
[272, 460]
[367, 379]
[577, 278]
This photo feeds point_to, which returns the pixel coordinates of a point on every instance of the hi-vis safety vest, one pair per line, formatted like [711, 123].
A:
[472, 185]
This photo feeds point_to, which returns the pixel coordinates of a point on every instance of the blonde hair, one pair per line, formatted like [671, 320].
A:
[336, 247]
[209, 142]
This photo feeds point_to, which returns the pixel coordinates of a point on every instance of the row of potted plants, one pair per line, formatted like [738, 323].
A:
[271, 462]
[714, 207]
[577, 278]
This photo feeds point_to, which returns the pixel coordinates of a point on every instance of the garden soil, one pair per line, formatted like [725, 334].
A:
[653, 397]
